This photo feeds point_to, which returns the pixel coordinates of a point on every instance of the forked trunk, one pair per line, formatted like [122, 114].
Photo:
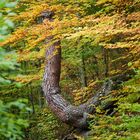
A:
[74, 115]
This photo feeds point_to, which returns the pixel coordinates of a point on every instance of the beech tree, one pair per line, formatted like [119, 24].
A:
[73, 115]
[90, 53]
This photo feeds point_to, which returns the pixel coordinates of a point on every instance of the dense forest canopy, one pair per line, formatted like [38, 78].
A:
[78, 65]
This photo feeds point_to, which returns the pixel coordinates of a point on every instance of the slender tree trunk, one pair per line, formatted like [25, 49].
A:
[106, 61]
[39, 97]
[83, 69]
[96, 68]
[32, 99]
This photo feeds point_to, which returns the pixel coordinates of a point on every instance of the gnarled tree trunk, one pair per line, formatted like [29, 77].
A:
[70, 114]
[74, 115]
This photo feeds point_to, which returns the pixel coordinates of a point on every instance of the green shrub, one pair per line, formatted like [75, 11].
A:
[12, 122]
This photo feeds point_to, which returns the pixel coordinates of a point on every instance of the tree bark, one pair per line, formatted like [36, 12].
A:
[83, 69]
[70, 114]
[106, 61]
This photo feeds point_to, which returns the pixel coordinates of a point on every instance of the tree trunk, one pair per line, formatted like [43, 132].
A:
[70, 114]
[83, 69]
[106, 61]
[74, 115]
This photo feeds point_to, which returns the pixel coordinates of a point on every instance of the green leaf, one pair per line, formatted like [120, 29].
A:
[9, 23]
[11, 4]
[2, 3]
[130, 64]
[4, 81]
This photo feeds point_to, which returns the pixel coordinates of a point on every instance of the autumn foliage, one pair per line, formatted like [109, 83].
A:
[99, 39]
